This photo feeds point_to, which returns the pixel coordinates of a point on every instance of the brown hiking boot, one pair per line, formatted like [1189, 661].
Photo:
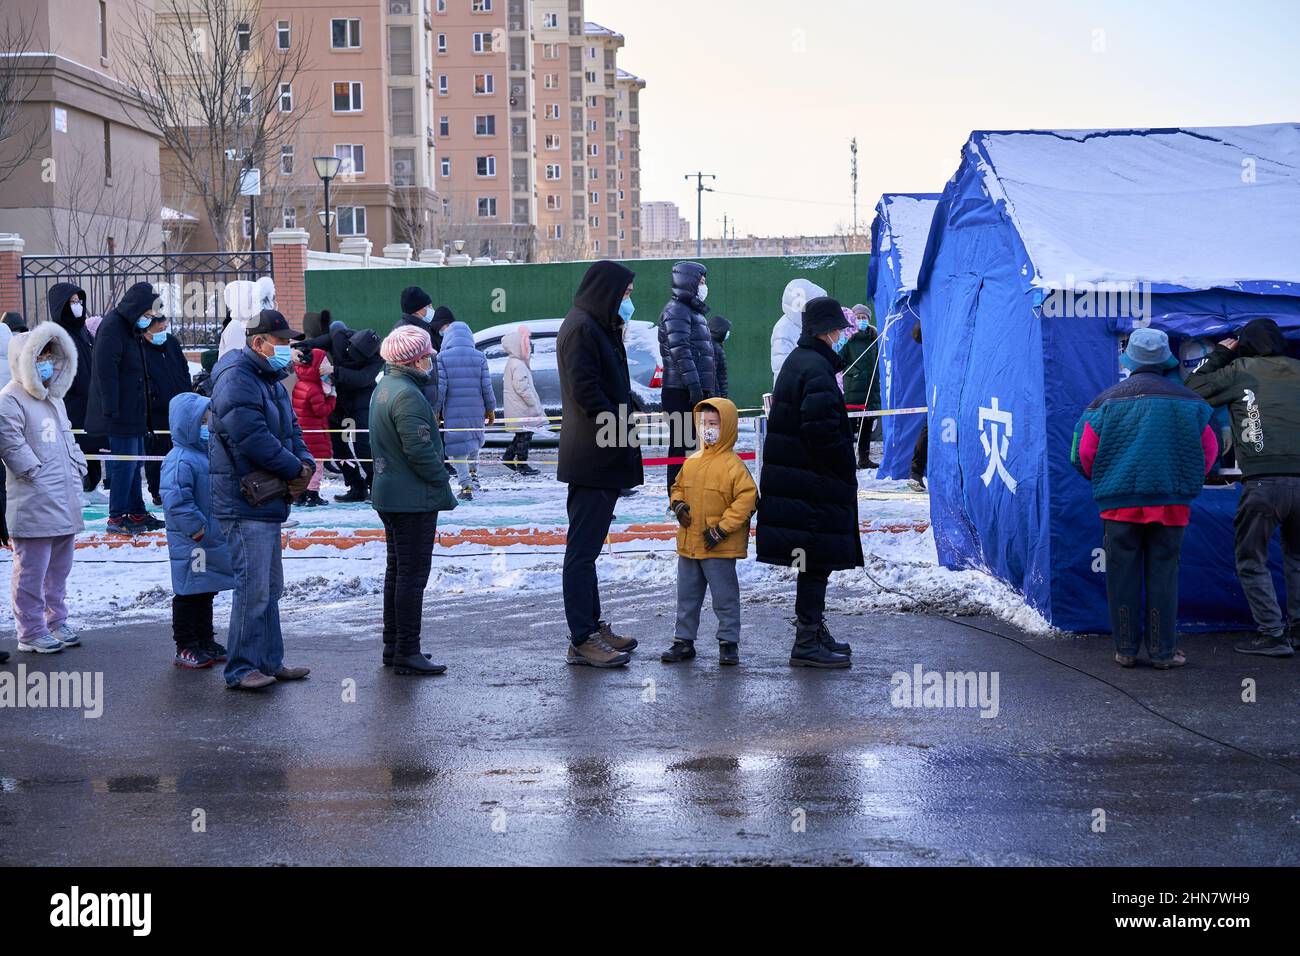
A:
[292, 673]
[253, 680]
[594, 652]
[615, 641]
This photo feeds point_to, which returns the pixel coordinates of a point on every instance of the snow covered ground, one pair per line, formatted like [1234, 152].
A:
[133, 582]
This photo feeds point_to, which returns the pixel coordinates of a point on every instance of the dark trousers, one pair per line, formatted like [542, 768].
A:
[1138, 557]
[810, 597]
[358, 474]
[517, 450]
[91, 445]
[155, 445]
[681, 427]
[192, 619]
[590, 512]
[866, 426]
[1266, 505]
[409, 538]
[921, 453]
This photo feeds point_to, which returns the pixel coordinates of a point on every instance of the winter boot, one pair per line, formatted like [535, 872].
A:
[512, 455]
[148, 521]
[616, 641]
[466, 493]
[728, 652]
[808, 650]
[417, 665]
[521, 455]
[594, 652]
[215, 650]
[316, 500]
[353, 496]
[301, 501]
[829, 642]
[680, 651]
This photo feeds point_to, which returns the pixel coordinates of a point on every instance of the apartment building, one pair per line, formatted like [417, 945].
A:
[627, 126]
[600, 90]
[663, 222]
[558, 48]
[89, 183]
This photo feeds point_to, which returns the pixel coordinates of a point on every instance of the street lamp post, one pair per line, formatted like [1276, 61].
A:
[327, 167]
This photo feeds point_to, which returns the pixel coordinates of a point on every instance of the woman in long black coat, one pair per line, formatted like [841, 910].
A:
[808, 504]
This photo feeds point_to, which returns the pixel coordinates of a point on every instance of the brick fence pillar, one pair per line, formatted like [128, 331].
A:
[289, 265]
[11, 267]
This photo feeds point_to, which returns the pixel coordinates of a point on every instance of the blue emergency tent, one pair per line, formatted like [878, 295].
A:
[898, 236]
[1046, 249]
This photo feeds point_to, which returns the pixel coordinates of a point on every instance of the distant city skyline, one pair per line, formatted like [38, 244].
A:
[911, 81]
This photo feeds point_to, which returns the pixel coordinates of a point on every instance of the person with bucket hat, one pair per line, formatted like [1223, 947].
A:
[808, 501]
[1260, 384]
[1146, 445]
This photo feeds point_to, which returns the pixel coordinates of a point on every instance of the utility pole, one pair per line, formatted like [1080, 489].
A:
[700, 190]
[853, 148]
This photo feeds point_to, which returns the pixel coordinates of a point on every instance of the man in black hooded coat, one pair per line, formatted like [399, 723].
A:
[808, 502]
[599, 453]
[64, 300]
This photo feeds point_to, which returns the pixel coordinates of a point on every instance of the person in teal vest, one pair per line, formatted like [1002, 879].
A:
[1146, 445]
[411, 486]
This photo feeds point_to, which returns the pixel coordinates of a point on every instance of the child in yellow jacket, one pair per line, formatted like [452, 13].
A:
[713, 498]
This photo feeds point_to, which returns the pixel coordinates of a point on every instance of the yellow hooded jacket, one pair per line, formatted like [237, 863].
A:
[719, 489]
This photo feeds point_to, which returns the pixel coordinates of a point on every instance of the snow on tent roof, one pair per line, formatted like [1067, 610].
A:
[905, 218]
[1181, 209]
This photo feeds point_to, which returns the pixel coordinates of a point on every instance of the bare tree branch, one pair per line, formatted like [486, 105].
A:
[19, 138]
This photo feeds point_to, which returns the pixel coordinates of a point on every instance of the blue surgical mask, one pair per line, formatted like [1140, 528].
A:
[144, 322]
[863, 325]
[203, 433]
[626, 309]
[158, 338]
[282, 357]
[45, 370]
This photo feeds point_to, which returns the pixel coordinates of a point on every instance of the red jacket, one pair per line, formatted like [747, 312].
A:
[313, 407]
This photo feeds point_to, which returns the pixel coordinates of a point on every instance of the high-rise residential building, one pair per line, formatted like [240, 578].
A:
[627, 124]
[79, 164]
[561, 173]
[663, 222]
[600, 91]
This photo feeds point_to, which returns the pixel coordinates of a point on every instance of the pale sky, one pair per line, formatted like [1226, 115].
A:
[768, 93]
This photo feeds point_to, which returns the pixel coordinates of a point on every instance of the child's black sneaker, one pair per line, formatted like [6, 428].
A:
[728, 652]
[192, 659]
[680, 651]
[215, 651]
[148, 522]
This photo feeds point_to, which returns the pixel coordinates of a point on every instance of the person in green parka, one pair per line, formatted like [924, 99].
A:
[861, 383]
[411, 485]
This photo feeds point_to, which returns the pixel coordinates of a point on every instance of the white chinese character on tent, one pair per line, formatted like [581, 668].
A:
[996, 441]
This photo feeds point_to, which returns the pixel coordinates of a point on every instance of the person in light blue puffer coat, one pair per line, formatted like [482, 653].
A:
[200, 558]
[466, 400]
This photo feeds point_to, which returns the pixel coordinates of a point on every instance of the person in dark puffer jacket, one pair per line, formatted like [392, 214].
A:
[808, 506]
[418, 312]
[1146, 445]
[169, 376]
[1260, 384]
[719, 330]
[68, 307]
[686, 347]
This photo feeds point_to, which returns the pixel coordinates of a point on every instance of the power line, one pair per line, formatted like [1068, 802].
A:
[806, 202]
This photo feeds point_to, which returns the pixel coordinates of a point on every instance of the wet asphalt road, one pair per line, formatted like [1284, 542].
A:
[514, 757]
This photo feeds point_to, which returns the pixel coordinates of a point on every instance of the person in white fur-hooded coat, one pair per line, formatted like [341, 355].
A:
[245, 301]
[45, 469]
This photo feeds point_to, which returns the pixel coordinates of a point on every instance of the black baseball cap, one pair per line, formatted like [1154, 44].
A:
[271, 322]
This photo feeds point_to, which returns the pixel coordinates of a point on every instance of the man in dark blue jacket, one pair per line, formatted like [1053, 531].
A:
[254, 430]
[118, 403]
[686, 347]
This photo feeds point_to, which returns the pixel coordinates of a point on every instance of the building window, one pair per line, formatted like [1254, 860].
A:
[347, 97]
[401, 56]
[485, 165]
[444, 166]
[483, 85]
[554, 202]
[246, 100]
[440, 6]
[442, 43]
[593, 173]
[552, 111]
[345, 34]
[593, 102]
[596, 246]
[444, 126]
[487, 207]
[482, 43]
[286, 160]
[595, 149]
[401, 110]
[442, 84]
[550, 81]
[282, 34]
[481, 6]
[485, 125]
[103, 29]
[621, 234]
[550, 20]
[286, 98]
[243, 37]
[552, 141]
[351, 221]
[553, 171]
[353, 156]
[108, 151]
[550, 51]
[289, 217]
[595, 198]
[404, 167]
[593, 126]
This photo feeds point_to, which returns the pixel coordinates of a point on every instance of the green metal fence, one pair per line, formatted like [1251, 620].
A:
[746, 290]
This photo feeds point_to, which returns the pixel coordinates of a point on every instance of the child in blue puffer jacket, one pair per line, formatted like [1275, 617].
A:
[200, 559]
